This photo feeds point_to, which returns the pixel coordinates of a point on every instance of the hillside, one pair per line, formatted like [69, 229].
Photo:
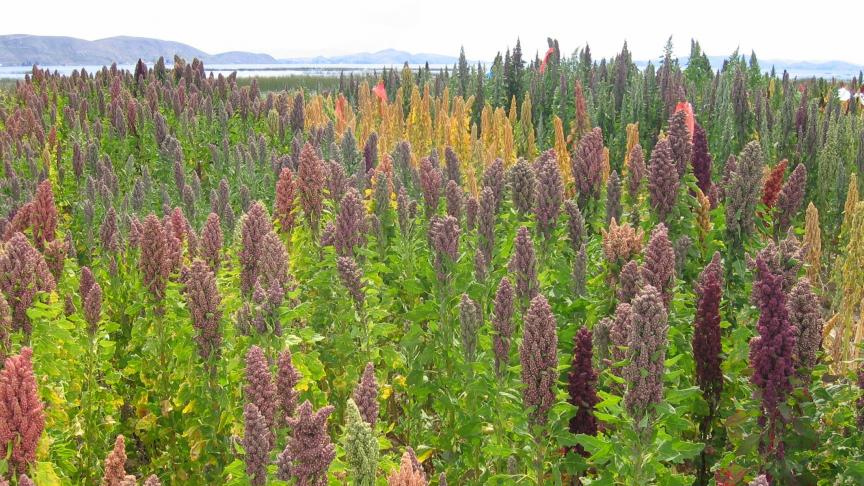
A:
[25, 50]
[20, 49]
[383, 57]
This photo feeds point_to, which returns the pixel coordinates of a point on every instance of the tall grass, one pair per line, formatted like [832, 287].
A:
[306, 82]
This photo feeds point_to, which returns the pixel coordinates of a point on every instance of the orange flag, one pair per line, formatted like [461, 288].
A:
[341, 108]
[545, 59]
[688, 111]
[380, 91]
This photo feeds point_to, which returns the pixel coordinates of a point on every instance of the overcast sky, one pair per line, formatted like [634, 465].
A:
[777, 30]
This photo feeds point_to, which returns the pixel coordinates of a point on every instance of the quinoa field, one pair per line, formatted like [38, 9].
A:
[558, 270]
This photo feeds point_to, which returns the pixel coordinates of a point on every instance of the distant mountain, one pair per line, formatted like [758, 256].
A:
[385, 57]
[240, 57]
[800, 69]
[817, 68]
[26, 50]
[18, 49]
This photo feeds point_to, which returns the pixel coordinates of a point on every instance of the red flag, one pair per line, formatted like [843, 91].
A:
[688, 111]
[340, 108]
[380, 91]
[545, 59]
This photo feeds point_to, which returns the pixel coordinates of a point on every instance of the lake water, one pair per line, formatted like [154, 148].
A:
[243, 70]
[276, 70]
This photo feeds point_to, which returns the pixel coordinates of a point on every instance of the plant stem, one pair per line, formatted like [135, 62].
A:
[499, 426]
[364, 321]
[163, 365]
[88, 403]
[637, 479]
[705, 429]
[538, 459]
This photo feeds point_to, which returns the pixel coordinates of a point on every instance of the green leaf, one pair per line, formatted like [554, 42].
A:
[44, 475]
[855, 469]
[596, 446]
[678, 451]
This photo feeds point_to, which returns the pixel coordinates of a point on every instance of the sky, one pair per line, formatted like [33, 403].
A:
[291, 28]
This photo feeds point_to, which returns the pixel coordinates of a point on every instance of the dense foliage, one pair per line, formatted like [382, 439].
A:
[555, 271]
